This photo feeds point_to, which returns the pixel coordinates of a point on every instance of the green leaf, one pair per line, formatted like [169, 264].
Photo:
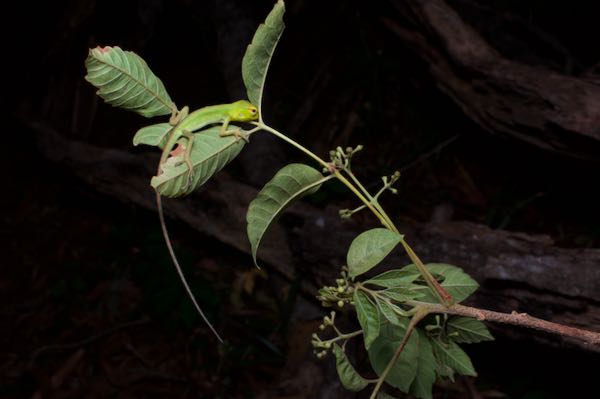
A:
[458, 283]
[349, 378]
[210, 153]
[451, 355]
[368, 317]
[155, 135]
[402, 294]
[422, 385]
[390, 312]
[369, 248]
[124, 80]
[383, 395]
[394, 278]
[291, 183]
[467, 330]
[257, 58]
[383, 348]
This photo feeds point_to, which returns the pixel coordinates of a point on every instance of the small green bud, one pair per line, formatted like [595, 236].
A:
[358, 148]
[328, 345]
[340, 304]
[340, 289]
[315, 336]
[322, 327]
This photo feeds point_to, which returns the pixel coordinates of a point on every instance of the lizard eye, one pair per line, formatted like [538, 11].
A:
[253, 111]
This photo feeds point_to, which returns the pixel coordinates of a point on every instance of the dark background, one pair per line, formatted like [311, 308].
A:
[91, 306]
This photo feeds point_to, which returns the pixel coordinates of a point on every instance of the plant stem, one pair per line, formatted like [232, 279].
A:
[419, 315]
[444, 297]
[335, 173]
[365, 201]
[345, 336]
[514, 318]
[373, 206]
[293, 143]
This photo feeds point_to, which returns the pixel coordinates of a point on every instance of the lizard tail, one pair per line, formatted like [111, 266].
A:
[176, 263]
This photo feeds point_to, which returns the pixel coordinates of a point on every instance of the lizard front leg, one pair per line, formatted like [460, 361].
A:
[237, 132]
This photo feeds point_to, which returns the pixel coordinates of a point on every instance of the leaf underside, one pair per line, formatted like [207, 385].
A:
[291, 183]
[210, 153]
[124, 80]
[350, 379]
[259, 53]
[155, 135]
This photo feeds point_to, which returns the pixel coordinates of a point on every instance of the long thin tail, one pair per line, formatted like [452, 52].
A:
[176, 263]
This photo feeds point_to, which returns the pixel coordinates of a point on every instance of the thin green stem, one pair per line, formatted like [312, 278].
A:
[373, 206]
[373, 200]
[345, 336]
[443, 296]
[293, 143]
[365, 201]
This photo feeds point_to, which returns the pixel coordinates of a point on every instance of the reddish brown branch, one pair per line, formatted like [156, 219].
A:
[518, 319]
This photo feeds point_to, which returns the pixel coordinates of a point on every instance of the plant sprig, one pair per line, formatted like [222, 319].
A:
[411, 318]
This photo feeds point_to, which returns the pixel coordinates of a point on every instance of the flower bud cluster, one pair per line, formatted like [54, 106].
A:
[339, 294]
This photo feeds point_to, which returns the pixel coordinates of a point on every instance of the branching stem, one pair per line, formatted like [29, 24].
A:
[421, 312]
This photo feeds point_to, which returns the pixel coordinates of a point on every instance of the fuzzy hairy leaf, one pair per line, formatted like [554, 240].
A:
[291, 183]
[451, 355]
[422, 385]
[257, 58]
[368, 317]
[124, 80]
[210, 153]
[369, 248]
[349, 377]
[383, 348]
[467, 330]
[458, 283]
[155, 135]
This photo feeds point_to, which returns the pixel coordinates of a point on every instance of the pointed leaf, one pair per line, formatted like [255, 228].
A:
[291, 183]
[368, 317]
[451, 355]
[257, 58]
[124, 80]
[426, 366]
[390, 312]
[369, 248]
[210, 153]
[349, 378]
[155, 135]
[467, 330]
[381, 352]
[402, 294]
[458, 283]
[394, 278]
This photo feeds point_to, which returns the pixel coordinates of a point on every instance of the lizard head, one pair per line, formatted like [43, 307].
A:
[243, 111]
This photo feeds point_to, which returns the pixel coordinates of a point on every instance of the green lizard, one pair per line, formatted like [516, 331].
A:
[184, 125]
